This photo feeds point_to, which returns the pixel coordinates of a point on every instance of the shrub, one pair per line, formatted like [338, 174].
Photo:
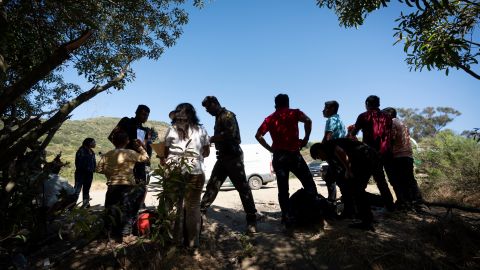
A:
[172, 184]
[452, 163]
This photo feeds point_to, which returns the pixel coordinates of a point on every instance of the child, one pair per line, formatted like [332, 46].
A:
[117, 165]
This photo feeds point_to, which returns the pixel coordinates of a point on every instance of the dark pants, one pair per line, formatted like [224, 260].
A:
[285, 162]
[119, 206]
[233, 168]
[140, 174]
[356, 187]
[400, 172]
[330, 182]
[83, 180]
[382, 185]
[360, 197]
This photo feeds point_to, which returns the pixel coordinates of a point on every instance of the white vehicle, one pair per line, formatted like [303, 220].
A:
[258, 165]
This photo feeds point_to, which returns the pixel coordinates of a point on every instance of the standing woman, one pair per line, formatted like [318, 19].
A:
[84, 167]
[188, 138]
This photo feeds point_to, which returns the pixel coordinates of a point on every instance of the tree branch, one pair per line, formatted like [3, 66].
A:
[452, 205]
[471, 42]
[10, 152]
[12, 93]
[468, 70]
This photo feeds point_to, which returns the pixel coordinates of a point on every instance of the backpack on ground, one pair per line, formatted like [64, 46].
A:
[306, 208]
[144, 222]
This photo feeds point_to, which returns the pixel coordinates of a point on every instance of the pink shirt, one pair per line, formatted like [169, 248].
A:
[376, 127]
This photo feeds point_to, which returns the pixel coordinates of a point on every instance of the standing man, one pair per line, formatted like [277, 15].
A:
[229, 163]
[400, 169]
[376, 127]
[137, 133]
[334, 129]
[283, 128]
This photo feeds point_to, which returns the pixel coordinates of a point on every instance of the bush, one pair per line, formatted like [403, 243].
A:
[452, 163]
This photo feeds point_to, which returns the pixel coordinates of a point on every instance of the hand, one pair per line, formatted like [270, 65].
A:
[163, 161]
[303, 142]
[139, 143]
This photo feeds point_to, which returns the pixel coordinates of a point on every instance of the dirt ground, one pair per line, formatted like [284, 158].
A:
[435, 239]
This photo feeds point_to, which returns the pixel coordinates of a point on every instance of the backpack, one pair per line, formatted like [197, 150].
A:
[143, 223]
[306, 208]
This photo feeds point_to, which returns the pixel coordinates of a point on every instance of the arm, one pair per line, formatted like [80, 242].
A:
[328, 130]
[142, 156]
[205, 141]
[353, 130]
[343, 158]
[327, 137]
[117, 128]
[101, 166]
[206, 150]
[308, 128]
[230, 130]
[168, 139]
[262, 141]
[163, 159]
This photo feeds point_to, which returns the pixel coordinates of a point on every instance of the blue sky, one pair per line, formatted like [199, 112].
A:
[246, 52]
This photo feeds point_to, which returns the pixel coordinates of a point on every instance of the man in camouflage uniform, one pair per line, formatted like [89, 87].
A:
[229, 161]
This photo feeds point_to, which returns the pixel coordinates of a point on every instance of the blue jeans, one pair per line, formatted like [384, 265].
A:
[285, 162]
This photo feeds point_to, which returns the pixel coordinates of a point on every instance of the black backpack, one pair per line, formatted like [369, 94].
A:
[307, 208]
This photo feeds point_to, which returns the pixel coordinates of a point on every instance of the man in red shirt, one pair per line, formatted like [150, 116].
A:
[376, 127]
[283, 128]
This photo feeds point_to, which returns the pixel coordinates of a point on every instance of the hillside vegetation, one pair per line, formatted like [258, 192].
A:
[72, 133]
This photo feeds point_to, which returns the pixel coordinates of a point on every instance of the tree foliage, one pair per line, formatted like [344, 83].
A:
[98, 39]
[39, 40]
[472, 134]
[437, 34]
[428, 122]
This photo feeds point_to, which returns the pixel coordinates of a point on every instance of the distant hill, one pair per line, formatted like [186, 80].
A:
[72, 133]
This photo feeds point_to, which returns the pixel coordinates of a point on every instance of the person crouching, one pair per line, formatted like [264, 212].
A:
[358, 161]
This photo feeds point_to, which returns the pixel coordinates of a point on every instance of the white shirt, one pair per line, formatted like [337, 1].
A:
[141, 135]
[190, 148]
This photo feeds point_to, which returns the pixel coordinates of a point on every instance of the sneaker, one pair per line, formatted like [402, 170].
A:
[86, 206]
[421, 208]
[251, 228]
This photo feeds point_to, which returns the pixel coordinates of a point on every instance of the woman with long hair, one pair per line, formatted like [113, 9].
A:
[187, 139]
[84, 167]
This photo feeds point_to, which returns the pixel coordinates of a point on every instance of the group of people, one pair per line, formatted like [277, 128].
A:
[125, 168]
[351, 163]
[385, 147]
